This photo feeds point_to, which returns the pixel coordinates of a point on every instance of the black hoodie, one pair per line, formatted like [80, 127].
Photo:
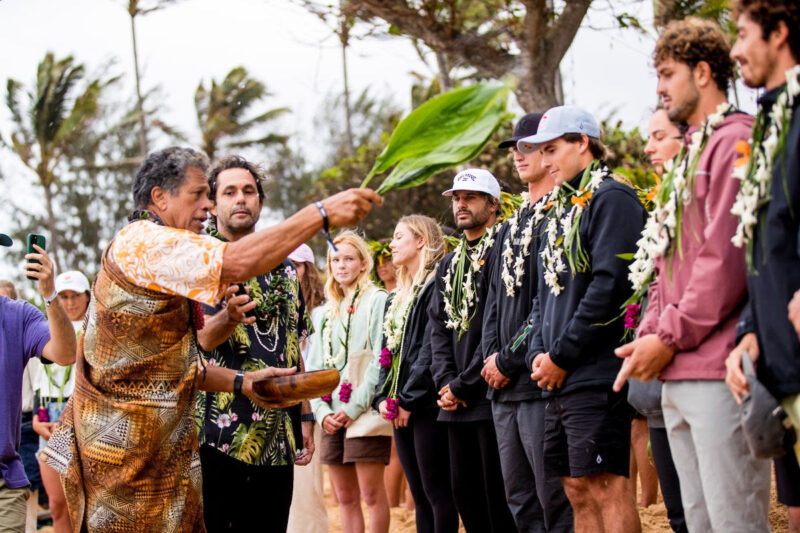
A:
[506, 329]
[570, 326]
[776, 259]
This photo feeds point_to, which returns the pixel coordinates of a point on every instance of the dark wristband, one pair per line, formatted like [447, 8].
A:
[307, 417]
[237, 382]
[326, 227]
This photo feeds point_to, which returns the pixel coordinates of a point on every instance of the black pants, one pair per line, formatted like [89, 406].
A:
[242, 497]
[668, 479]
[422, 448]
[477, 478]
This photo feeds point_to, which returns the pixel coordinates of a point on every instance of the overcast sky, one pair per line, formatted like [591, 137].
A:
[296, 55]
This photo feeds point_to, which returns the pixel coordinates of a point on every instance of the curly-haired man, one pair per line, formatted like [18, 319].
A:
[689, 326]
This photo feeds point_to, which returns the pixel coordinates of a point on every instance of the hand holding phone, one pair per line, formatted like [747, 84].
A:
[39, 241]
[39, 267]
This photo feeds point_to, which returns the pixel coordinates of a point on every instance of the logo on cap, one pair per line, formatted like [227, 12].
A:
[465, 175]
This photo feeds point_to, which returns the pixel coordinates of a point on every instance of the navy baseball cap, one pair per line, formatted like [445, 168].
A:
[557, 122]
[5, 240]
[526, 126]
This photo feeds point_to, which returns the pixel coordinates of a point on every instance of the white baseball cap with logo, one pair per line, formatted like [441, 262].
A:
[72, 281]
[557, 122]
[476, 180]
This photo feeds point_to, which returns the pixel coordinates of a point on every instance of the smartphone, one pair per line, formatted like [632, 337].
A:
[252, 312]
[39, 241]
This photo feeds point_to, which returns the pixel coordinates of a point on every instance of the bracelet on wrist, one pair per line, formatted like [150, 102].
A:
[51, 299]
[307, 417]
[326, 228]
[237, 382]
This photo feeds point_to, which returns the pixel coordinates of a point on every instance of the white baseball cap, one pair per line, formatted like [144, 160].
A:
[302, 254]
[72, 281]
[477, 180]
[557, 122]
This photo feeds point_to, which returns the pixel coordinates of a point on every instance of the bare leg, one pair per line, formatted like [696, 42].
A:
[393, 478]
[345, 486]
[640, 438]
[32, 511]
[588, 516]
[794, 519]
[612, 495]
[58, 502]
[370, 481]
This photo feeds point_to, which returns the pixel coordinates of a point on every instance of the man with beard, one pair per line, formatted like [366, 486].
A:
[689, 326]
[456, 313]
[247, 452]
[517, 404]
[768, 50]
[582, 283]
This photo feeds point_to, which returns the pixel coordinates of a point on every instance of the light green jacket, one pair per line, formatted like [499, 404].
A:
[366, 330]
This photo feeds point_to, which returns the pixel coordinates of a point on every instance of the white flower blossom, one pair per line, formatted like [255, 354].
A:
[756, 176]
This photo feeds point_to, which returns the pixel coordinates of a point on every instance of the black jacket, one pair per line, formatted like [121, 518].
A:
[415, 388]
[506, 329]
[776, 260]
[569, 326]
[459, 361]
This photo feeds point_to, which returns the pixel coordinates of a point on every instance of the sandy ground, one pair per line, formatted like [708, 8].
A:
[654, 518]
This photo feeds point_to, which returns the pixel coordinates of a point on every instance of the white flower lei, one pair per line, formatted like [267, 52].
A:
[459, 312]
[662, 222]
[394, 324]
[553, 253]
[512, 281]
[756, 176]
[328, 358]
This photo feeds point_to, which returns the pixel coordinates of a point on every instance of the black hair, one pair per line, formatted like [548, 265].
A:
[165, 169]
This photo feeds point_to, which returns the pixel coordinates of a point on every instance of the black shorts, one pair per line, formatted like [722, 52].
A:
[787, 478]
[587, 432]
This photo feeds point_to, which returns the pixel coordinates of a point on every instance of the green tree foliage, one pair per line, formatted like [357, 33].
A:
[525, 40]
[51, 122]
[222, 110]
[91, 180]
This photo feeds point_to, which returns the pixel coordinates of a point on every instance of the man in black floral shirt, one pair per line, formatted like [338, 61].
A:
[247, 452]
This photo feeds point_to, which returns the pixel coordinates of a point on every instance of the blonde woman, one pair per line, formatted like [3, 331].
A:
[406, 393]
[355, 442]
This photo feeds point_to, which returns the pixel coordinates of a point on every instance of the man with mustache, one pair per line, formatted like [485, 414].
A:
[255, 330]
[456, 312]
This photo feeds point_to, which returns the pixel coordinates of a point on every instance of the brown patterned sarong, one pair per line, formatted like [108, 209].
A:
[126, 445]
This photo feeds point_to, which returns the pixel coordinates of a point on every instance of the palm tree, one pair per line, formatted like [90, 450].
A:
[136, 8]
[50, 122]
[221, 110]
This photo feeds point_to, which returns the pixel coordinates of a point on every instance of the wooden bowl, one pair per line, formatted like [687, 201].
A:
[300, 386]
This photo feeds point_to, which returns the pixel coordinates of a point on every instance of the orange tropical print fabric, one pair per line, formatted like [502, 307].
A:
[170, 261]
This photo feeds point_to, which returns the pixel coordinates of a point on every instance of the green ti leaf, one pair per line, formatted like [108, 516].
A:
[445, 131]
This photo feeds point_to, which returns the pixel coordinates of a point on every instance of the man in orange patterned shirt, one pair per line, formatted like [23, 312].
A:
[127, 445]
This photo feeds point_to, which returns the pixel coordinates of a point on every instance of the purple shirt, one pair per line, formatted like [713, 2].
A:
[23, 334]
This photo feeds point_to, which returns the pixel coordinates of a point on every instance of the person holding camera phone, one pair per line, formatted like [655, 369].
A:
[126, 447]
[260, 324]
[25, 333]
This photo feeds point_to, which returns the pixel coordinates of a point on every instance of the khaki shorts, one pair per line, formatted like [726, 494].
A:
[13, 504]
[337, 450]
